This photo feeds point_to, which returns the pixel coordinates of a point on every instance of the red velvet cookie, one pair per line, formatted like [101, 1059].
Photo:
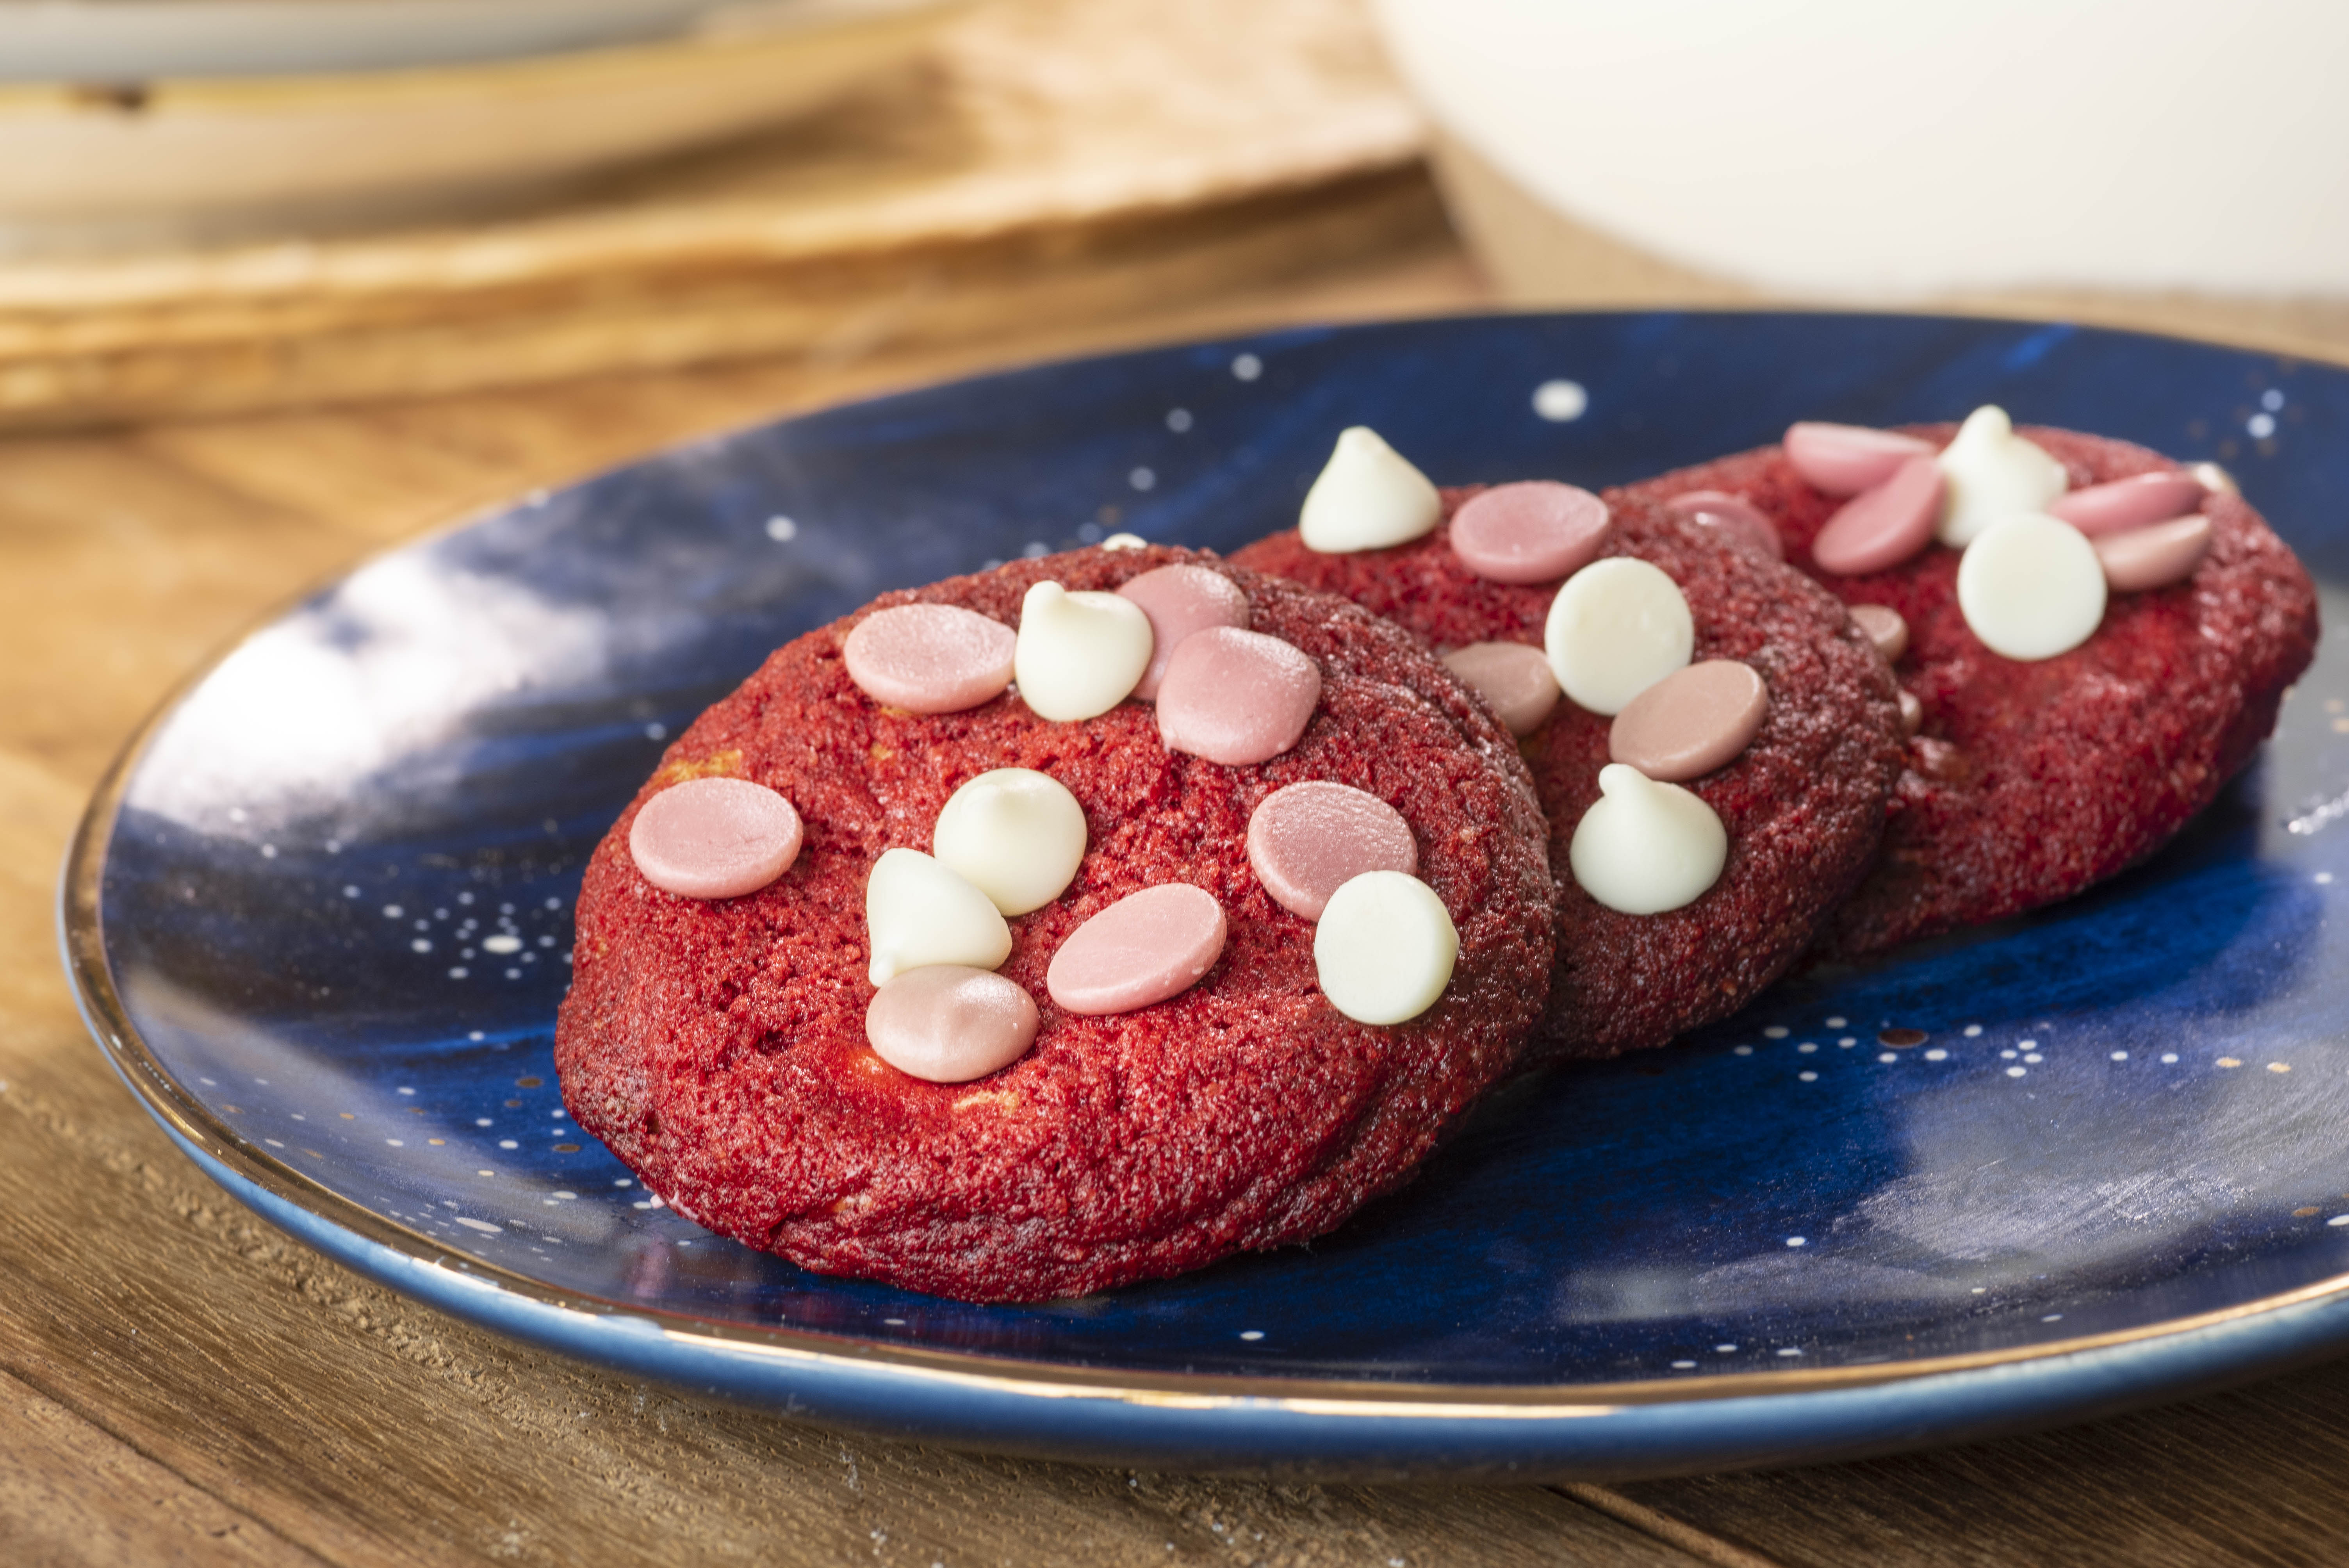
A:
[1802, 803]
[2029, 781]
[720, 1048]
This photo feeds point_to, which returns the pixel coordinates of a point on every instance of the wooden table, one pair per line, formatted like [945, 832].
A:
[181, 1383]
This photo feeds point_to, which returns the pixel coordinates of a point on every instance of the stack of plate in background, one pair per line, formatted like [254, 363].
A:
[436, 195]
[138, 122]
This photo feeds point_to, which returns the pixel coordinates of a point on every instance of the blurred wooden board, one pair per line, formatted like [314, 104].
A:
[1084, 157]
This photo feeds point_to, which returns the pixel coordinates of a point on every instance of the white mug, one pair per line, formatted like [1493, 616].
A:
[1890, 149]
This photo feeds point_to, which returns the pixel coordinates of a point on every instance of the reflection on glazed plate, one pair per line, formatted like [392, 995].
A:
[320, 919]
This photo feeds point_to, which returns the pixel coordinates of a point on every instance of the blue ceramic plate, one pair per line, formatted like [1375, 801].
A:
[320, 919]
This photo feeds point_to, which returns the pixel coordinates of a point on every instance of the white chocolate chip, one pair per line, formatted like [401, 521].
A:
[1078, 654]
[1015, 834]
[1643, 847]
[1616, 628]
[1990, 473]
[1384, 948]
[1125, 542]
[1367, 497]
[918, 912]
[2032, 587]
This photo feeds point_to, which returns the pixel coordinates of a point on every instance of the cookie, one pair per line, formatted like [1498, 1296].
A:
[2037, 772]
[1186, 1086]
[1801, 801]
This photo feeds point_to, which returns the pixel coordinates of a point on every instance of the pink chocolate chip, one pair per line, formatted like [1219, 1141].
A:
[1145, 947]
[1845, 459]
[1885, 526]
[2133, 502]
[1886, 627]
[1691, 721]
[1235, 697]
[1181, 600]
[1308, 840]
[1734, 516]
[715, 837]
[1535, 531]
[948, 1023]
[929, 658]
[1514, 679]
[2154, 557]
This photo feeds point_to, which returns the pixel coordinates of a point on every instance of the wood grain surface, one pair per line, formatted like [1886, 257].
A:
[179, 1383]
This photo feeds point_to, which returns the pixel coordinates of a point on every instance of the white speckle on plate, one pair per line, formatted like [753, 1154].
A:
[1808, 1076]
[1142, 478]
[1742, 1050]
[781, 530]
[1251, 1334]
[1247, 367]
[1798, 1241]
[1178, 419]
[1774, 1032]
[2017, 1072]
[1971, 1031]
[2120, 1056]
[1937, 1055]
[1561, 401]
